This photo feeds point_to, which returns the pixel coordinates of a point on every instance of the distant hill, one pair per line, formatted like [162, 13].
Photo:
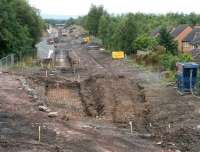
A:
[55, 21]
[57, 17]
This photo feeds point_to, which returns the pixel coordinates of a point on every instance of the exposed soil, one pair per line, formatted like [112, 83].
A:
[96, 98]
[20, 119]
[115, 98]
[174, 118]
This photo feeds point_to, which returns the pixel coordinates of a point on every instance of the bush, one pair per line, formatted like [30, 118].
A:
[168, 61]
[185, 58]
[144, 43]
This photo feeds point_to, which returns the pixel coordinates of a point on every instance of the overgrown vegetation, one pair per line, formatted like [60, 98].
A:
[144, 43]
[162, 59]
[168, 61]
[166, 40]
[20, 27]
[131, 33]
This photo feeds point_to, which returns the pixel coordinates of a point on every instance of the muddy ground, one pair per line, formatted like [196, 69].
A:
[96, 98]
[20, 119]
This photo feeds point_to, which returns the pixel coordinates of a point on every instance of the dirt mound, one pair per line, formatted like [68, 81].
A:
[173, 119]
[184, 139]
[19, 134]
[113, 97]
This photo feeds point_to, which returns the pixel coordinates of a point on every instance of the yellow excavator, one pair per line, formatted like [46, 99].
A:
[87, 40]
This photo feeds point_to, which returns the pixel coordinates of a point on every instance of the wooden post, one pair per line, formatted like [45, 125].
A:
[12, 59]
[46, 73]
[131, 125]
[39, 133]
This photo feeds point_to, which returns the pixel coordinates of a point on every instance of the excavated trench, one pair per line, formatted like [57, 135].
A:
[110, 97]
[114, 98]
[118, 99]
[106, 96]
[171, 120]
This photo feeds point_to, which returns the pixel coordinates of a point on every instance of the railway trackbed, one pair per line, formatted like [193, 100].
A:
[95, 98]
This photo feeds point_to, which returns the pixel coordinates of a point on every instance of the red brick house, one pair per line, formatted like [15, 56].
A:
[179, 34]
[192, 40]
[188, 39]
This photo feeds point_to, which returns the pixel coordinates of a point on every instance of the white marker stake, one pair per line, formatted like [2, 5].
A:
[78, 78]
[131, 125]
[39, 135]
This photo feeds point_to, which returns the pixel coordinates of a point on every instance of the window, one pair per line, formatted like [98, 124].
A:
[186, 45]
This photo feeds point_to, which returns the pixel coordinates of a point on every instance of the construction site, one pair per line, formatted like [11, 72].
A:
[80, 99]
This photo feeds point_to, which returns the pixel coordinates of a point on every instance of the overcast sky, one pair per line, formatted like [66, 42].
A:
[81, 7]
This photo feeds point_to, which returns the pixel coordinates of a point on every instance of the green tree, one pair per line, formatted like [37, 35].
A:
[69, 22]
[20, 26]
[126, 33]
[13, 37]
[29, 17]
[81, 20]
[193, 19]
[93, 19]
[166, 40]
[129, 31]
[107, 29]
[144, 42]
[103, 29]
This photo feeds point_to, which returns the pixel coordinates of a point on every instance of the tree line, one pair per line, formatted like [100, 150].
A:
[20, 27]
[53, 22]
[131, 32]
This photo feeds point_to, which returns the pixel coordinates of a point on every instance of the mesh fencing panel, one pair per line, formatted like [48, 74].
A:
[7, 62]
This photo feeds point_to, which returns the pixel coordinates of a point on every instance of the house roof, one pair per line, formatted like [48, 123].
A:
[196, 55]
[193, 37]
[155, 31]
[178, 30]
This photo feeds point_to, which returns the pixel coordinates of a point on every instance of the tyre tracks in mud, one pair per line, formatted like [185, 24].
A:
[164, 112]
[112, 91]
[107, 91]
[59, 136]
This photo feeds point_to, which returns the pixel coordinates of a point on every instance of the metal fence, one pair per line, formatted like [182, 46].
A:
[7, 62]
[22, 65]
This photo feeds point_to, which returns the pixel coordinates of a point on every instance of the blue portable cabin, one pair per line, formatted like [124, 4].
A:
[186, 76]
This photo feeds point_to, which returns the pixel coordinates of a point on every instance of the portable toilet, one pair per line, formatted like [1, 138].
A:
[186, 76]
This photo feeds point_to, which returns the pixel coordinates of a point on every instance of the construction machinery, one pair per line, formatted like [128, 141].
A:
[87, 40]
